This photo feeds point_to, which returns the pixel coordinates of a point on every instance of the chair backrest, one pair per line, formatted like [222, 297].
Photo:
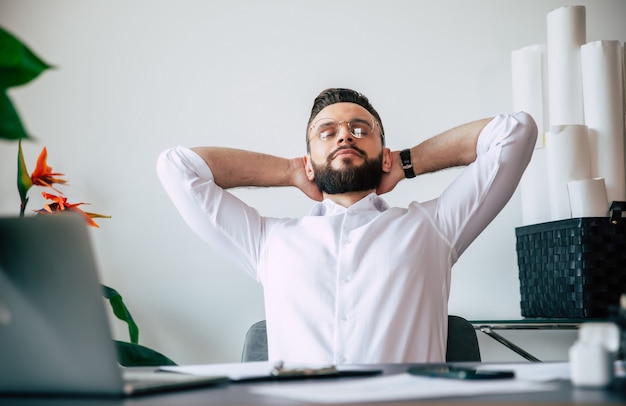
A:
[462, 342]
[255, 343]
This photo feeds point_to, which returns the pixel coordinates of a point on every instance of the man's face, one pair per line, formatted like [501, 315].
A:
[344, 162]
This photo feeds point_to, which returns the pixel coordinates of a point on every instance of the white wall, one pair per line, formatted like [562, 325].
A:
[135, 77]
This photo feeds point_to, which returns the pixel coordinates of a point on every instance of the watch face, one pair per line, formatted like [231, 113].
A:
[405, 156]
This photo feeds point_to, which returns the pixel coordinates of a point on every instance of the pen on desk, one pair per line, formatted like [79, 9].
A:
[279, 370]
[454, 372]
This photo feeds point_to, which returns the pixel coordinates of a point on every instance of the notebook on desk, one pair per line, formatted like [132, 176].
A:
[55, 336]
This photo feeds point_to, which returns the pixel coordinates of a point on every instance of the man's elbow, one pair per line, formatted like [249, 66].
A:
[529, 127]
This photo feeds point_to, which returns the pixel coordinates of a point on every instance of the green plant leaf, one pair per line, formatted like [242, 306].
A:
[121, 312]
[18, 64]
[24, 182]
[135, 355]
[11, 127]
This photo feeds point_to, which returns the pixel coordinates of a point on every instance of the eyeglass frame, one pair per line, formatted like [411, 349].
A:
[348, 123]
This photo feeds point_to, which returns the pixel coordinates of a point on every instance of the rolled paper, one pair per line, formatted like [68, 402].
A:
[566, 29]
[530, 91]
[567, 151]
[534, 190]
[588, 198]
[604, 113]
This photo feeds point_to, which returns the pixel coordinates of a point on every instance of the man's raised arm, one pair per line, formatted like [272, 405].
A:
[239, 168]
[454, 147]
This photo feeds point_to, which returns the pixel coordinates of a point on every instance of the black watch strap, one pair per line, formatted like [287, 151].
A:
[405, 156]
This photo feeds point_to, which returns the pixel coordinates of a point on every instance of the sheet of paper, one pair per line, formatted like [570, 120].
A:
[235, 371]
[394, 387]
[534, 371]
[546, 371]
[243, 370]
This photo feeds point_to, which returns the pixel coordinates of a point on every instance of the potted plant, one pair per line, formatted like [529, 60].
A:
[18, 66]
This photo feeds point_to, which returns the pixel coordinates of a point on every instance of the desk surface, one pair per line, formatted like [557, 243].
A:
[239, 394]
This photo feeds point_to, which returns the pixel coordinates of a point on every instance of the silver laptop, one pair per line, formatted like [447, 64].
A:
[55, 336]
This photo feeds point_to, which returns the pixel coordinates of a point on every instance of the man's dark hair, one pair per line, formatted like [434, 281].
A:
[338, 95]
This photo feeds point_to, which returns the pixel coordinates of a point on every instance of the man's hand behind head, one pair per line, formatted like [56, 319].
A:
[390, 179]
[302, 182]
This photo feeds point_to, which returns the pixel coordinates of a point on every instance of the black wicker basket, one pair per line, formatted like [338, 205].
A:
[574, 268]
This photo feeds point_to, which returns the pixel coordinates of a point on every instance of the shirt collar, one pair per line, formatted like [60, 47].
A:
[370, 202]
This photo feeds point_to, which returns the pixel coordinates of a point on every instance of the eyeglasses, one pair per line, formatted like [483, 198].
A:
[327, 128]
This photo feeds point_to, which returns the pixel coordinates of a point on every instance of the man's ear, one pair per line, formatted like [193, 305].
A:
[310, 174]
[387, 160]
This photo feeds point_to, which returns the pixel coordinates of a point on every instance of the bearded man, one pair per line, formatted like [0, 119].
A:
[356, 281]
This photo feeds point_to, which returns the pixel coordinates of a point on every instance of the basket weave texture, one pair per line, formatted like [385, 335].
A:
[573, 268]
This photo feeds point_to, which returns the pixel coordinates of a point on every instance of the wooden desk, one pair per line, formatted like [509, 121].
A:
[489, 328]
[239, 394]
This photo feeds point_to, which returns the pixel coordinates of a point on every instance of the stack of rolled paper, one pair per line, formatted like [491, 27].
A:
[574, 90]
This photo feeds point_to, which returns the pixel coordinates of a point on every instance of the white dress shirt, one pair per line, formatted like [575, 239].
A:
[364, 284]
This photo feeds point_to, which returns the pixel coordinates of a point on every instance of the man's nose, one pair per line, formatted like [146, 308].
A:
[344, 134]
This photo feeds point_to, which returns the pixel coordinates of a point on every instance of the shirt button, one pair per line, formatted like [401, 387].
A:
[344, 317]
[347, 279]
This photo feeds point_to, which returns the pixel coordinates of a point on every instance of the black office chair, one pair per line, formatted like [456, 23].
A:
[462, 342]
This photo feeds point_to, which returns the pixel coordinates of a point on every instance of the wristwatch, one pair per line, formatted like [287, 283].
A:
[405, 156]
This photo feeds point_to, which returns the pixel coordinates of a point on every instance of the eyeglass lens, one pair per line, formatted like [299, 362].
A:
[327, 128]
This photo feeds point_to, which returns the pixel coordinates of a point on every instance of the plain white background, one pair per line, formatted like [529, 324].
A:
[135, 77]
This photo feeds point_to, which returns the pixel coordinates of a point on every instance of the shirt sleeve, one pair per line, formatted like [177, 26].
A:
[484, 187]
[219, 218]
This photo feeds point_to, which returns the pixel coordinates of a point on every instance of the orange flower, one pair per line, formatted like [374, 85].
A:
[59, 203]
[43, 175]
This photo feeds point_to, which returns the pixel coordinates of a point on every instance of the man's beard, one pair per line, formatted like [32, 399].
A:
[352, 178]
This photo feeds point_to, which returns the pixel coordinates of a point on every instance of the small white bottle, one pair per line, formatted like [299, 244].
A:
[592, 355]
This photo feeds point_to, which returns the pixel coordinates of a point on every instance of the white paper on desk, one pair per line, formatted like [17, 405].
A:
[394, 387]
[545, 371]
[534, 371]
[247, 370]
[234, 371]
